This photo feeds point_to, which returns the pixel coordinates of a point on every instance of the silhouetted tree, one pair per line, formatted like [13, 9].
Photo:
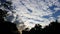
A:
[2, 14]
[53, 27]
[35, 30]
[5, 26]
[25, 31]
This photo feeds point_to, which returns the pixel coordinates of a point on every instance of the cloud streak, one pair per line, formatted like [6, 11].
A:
[32, 12]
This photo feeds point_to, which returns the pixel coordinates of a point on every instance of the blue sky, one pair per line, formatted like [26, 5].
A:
[34, 11]
[54, 14]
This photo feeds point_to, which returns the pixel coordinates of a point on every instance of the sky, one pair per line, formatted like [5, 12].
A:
[31, 12]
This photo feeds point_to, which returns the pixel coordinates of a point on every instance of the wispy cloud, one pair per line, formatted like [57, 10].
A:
[58, 19]
[32, 11]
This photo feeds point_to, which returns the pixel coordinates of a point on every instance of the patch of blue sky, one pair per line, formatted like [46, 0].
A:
[10, 18]
[58, 0]
[52, 8]
[46, 17]
[56, 14]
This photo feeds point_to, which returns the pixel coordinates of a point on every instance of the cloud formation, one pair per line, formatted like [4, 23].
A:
[58, 19]
[32, 12]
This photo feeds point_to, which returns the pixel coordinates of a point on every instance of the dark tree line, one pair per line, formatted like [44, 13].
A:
[6, 27]
[53, 27]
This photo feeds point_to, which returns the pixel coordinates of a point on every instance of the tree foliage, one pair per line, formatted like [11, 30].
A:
[6, 27]
[53, 27]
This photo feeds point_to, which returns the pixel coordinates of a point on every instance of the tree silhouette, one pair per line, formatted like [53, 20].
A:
[35, 30]
[5, 26]
[53, 27]
[2, 14]
[25, 31]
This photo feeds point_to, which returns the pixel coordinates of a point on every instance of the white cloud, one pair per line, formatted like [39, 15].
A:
[56, 9]
[39, 9]
[58, 19]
